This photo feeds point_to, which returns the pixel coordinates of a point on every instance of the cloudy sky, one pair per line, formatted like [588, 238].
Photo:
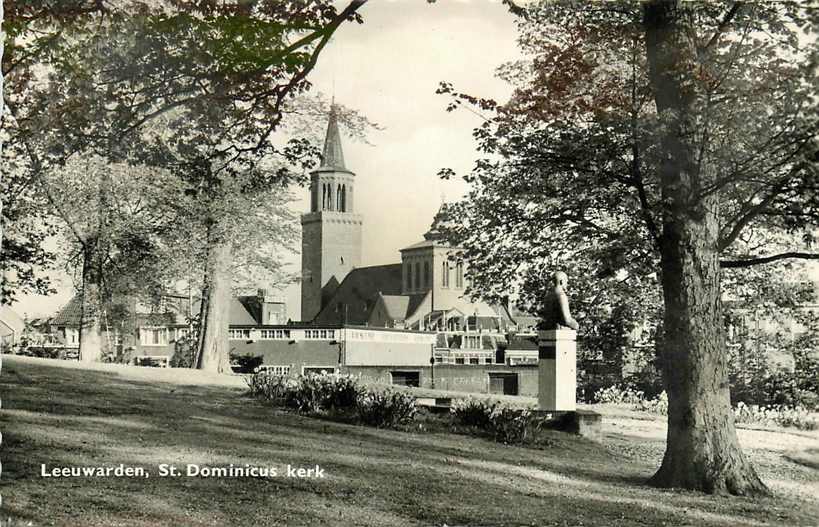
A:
[388, 68]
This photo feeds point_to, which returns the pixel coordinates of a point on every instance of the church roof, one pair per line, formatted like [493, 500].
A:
[424, 243]
[356, 296]
[434, 236]
[242, 311]
[333, 156]
[396, 306]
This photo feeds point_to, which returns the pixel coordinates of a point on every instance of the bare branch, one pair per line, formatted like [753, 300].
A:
[751, 261]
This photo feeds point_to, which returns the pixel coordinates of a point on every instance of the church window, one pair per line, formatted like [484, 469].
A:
[343, 198]
[418, 275]
[459, 275]
[339, 207]
[408, 268]
[426, 274]
[445, 274]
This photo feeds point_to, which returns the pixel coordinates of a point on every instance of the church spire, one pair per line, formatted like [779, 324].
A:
[333, 156]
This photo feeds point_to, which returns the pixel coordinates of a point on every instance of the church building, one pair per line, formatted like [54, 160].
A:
[425, 291]
[331, 231]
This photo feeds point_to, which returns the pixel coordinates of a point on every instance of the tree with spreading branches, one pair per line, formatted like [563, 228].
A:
[644, 147]
[91, 76]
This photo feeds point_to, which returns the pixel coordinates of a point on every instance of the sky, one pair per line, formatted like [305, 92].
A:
[388, 69]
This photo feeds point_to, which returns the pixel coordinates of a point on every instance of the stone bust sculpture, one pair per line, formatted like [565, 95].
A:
[556, 314]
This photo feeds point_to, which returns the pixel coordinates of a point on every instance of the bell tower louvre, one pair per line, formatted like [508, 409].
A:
[331, 231]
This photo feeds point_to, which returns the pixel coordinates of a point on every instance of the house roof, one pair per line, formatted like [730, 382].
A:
[70, 314]
[356, 295]
[241, 312]
[522, 342]
[10, 321]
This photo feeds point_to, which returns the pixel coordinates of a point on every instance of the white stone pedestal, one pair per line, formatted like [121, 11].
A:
[557, 364]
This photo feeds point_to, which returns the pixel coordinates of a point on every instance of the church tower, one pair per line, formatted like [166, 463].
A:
[331, 231]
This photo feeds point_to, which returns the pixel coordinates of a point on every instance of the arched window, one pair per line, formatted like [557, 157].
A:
[459, 275]
[445, 274]
[418, 275]
[343, 198]
[426, 274]
[338, 200]
[408, 269]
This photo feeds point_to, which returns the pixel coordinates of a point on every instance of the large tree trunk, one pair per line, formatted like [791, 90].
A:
[214, 352]
[90, 343]
[702, 450]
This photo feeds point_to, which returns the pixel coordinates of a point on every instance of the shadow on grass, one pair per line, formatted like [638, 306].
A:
[375, 477]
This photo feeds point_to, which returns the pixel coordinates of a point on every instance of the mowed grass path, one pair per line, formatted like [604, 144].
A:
[74, 417]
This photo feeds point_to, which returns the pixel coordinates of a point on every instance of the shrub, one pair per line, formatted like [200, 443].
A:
[184, 352]
[780, 415]
[340, 392]
[510, 424]
[655, 405]
[473, 412]
[387, 408]
[619, 394]
[323, 393]
[245, 363]
[269, 386]
[506, 423]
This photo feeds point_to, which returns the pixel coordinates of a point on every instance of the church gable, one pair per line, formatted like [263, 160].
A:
[355, 297]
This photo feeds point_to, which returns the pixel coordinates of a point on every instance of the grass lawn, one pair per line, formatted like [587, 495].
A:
[62, 416]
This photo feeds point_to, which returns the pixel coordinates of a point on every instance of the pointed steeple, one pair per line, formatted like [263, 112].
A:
[333, 156]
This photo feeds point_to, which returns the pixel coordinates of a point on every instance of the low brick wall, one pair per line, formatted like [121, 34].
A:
[454, 377]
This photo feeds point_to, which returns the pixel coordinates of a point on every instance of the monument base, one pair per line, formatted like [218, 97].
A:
[584, 423]
[557, 376]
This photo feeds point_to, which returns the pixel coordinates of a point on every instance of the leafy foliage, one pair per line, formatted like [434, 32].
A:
[473, 412]
[246, 363]
[385, 408]
[570, 176]
[504, 422]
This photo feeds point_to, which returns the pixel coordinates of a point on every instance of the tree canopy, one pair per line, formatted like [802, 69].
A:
[651, 144]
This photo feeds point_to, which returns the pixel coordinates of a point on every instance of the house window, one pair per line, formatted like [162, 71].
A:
[239, 334]
[275, 334]
[472, 342]
[459, 360]
[406, 378]
[319, 334]
[487, 360]
[71, 335]
[474, 360]
[318, 370]
[153, 336]
[445, 274]
[274, 369]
